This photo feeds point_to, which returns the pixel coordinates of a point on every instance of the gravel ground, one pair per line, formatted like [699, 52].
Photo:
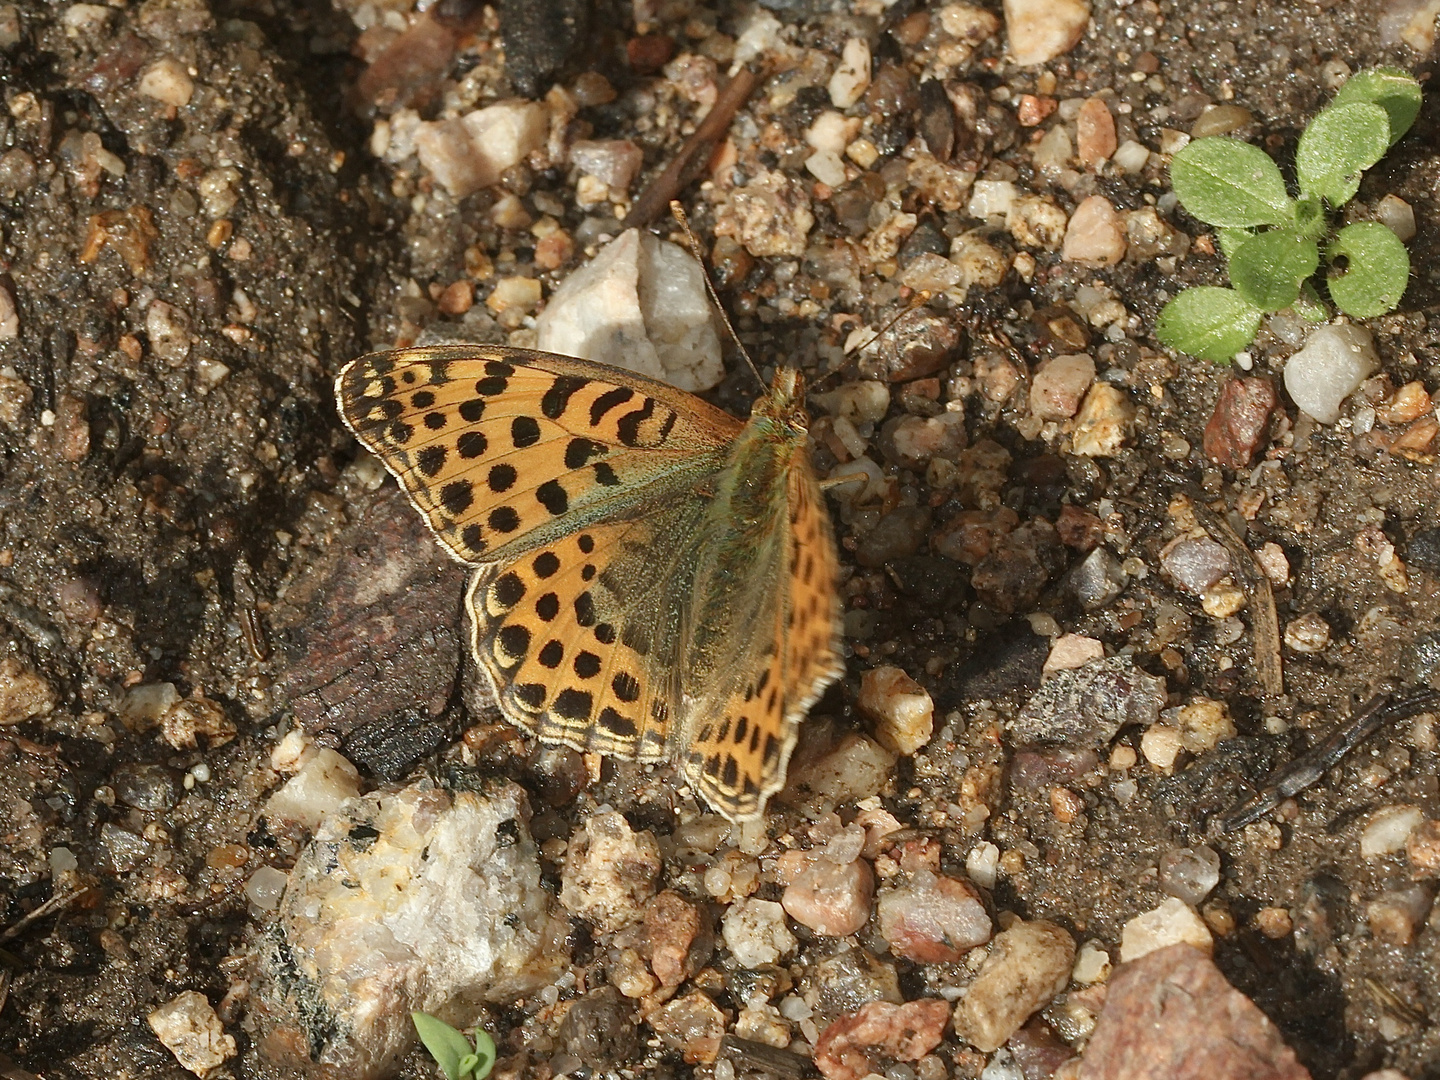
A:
[205, 211]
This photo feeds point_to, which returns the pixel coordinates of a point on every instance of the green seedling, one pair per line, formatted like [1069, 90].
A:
[452, 1051]
[1274, 243]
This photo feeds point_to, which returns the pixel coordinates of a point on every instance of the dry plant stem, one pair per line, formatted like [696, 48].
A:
[1310, 766]
[1264, 623]
[55, 903]
[695, 154]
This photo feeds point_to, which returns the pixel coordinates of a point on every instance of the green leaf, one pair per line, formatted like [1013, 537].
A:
[1267, 269]
[1310, 307]
[1394, 89]
[1377, 270]
[1230, 239]
[1231, 184]
[447, 1046]
[1211, 323]
[1337, 146]
[485, 1055]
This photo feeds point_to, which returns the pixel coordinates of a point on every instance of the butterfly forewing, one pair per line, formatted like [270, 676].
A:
[502, 449]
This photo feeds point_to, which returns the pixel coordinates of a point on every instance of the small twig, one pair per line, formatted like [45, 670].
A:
[1310, 766]
[1264, 623]
[54, 904]
[695, 154]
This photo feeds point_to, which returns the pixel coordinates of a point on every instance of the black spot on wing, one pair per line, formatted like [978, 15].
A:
[609, 400]
[628, 428]
[457, 496]
[558, 396]
[471, 444]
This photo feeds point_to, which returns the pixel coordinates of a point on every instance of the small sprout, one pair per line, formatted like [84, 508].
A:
[452, 1051]
[1272, 242]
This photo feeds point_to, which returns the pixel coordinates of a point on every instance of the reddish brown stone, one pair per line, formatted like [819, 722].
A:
[679, 937]
[649, 52]
[1172, 1014]
[1078, 529]
[1239, 422]
[859, 1043]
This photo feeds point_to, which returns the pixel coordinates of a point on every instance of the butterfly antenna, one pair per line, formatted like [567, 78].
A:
[678, 212]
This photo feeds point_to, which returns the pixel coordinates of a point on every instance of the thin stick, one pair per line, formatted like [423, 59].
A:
[695, 153]
[1264, 622]
[690, 238]
[55, 903]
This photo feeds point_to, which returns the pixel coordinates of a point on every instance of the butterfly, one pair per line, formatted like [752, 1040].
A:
[654, 579]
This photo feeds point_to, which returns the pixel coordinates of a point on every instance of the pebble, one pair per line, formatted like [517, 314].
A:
[1195, 563]
[149, 788]
[1239, 422]
[1130, 157]
[898, 535]
[1309, 633]
[1161, 745]
[1070, 651]
[9, 313]
[934, 919]
[189, 1029]
[1059, 385]
[1220, 120]
[678, 937]
[1028, 964]
[168, 330]
[1088, 705]
[609, 872]
[1172, 1014]
[1094, 133]
[1407, 404]
[1274, 922]
[640, 304]
[832, 131]
[855, 767]
[1398, 216]
[514, 295]
[770, 216]
[901, 708]
[755, 932]
[692, 1024]
[856, 1044]
[1173, 922]
[417, 898]
[1040, 30]
[1189, 874]
[1092, 964]
[471, 152]
[183, 723]
[1095, 234]
[1099, 579]
[1102, 423]
[316, 792]
[826, 166]
[1336, 359]
[600, 1029]
[1422, 847]
[167, 82]
[852, 76]
[830, 898]
[1036, 222]
[265, 887]
[991, 198]
[616, 162]
[1388, 829]
[23, 693]
[124, 850]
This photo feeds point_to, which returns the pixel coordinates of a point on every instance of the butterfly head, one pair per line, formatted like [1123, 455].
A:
[785, 403]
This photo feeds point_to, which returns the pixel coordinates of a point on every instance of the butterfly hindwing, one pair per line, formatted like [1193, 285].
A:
[582, 638]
